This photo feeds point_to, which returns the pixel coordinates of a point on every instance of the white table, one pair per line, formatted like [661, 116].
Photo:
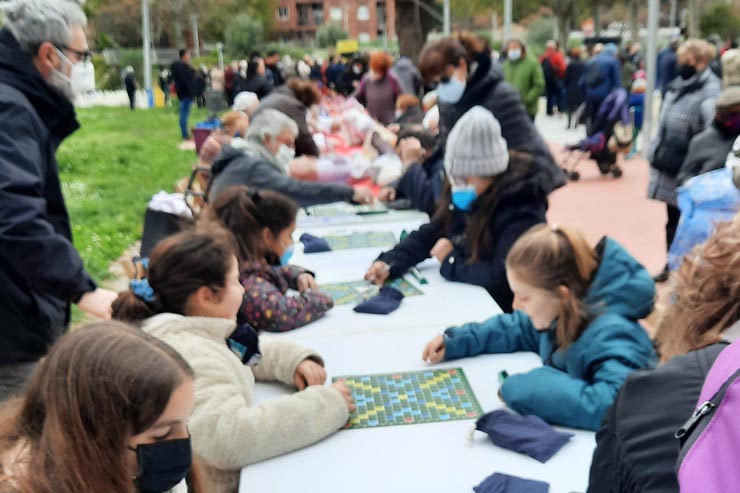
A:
[307, 222]
[435, 457]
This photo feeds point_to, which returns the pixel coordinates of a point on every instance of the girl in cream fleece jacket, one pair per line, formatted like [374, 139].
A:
[190, 300]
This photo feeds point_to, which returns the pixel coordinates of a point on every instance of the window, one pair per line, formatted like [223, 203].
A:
[335, 14]
[364, 38]
[363, 13]
[318, 14]
[303, 13]
[283, 13]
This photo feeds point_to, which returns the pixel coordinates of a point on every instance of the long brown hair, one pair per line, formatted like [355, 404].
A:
[547, 257]
[98, 386]
[705, 300]
[478, 231]
[245, 212]
[178, 266]
[436, 56]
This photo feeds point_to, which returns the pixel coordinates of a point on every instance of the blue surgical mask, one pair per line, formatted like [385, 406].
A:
[285, 257]
[450, 92]
[515, 54]
[463, 197]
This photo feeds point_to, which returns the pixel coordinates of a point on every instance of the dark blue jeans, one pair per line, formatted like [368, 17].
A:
[184, 115]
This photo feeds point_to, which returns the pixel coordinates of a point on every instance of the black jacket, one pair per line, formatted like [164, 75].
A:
[422, 183]
[40, 270]
[488, 88]
[259, 85]
[241, 167]
[184, 77]
[523, 203]
[573, 93]
[707, 152]
[636, 451]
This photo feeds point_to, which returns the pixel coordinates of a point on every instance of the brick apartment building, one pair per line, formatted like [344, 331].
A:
[365, 20]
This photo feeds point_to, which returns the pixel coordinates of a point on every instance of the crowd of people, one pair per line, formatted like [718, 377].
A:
[163, 398]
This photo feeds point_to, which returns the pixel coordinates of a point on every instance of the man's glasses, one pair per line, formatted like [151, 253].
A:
[82, 56]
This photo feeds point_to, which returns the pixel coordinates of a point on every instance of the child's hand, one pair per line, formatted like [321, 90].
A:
[378, 272]
[347, 394]
[434, 352]
[387, 194]
[442, 249]
[306, 283]
[309, 373]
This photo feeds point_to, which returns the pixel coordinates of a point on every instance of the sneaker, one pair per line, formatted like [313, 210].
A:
[662, 276]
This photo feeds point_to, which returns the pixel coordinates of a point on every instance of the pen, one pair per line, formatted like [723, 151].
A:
[418, 275]
[404, 234]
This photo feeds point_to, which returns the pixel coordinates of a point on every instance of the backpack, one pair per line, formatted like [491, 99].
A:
[710, 439]
[594, 77]
[547, 69]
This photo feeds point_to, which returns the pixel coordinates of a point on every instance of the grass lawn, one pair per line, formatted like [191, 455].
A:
[110, 168]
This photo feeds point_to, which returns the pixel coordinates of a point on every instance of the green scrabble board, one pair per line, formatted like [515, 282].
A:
[361, 240]
[406, 398]
[358, 291]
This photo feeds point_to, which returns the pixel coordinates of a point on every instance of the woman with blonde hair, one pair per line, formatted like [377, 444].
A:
[636, 443]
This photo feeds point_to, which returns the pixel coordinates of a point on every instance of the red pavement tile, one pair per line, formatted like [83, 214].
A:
[617, 207]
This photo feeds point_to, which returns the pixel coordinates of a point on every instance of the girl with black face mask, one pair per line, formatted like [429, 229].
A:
[106, 411]
[688, 109]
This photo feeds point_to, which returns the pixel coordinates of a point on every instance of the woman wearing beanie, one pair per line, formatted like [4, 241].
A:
[491, 198]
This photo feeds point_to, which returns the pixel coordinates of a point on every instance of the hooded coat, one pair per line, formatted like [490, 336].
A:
[575, 386]
[40, 270]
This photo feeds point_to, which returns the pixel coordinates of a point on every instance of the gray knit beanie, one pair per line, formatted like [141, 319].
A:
[475, 146]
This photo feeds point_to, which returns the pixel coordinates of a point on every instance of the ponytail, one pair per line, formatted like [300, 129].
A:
[178, 267]
[548, 257]
[245, 212]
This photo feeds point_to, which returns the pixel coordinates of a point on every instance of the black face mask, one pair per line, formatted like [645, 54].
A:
[686, 71]
[162, 465]
[244, 342]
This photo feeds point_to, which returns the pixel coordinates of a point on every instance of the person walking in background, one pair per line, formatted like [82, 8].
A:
[525, 74]
[636, 104]
[184, 77]
[688, 108]
[667, 65]
[273, 70]
[553, 66]
[408, 75]
[41, 272]
[379, 89]
[600, 77]
[165, 79]
[257, 81]
[129, 82]
[574, 96]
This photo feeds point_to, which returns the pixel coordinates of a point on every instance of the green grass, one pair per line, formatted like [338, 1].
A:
[109, 170]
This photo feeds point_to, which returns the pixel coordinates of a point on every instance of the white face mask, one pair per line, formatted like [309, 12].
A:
[83, 77]
[61, 81]
[285, 155]
[515, 54]
[357, 70]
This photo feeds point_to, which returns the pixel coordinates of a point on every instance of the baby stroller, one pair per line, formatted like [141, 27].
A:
[608, 132]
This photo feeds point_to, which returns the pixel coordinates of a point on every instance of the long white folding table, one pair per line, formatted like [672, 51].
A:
[434, 457]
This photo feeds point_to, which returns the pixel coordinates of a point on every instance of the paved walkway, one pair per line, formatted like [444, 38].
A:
[603, 205]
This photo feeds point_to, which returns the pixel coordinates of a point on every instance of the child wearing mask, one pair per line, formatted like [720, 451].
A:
[491, 198]
[577, 307]
[262, 224]
[190, 299]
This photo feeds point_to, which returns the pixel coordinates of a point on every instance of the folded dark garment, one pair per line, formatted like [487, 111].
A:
[524, 434]
[383, 303]
[314, 244]
[502, 483]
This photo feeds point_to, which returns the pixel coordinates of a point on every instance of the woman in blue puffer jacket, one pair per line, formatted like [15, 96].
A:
[577, 307]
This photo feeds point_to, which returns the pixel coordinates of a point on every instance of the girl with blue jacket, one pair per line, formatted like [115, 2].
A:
[577, 307]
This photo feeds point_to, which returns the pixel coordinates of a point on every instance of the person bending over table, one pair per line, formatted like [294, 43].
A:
[190, 300]
[262, 224]
[493, 196]
[578, 307]
[261, 161]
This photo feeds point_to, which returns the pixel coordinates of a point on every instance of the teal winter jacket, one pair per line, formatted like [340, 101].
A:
[576, 386]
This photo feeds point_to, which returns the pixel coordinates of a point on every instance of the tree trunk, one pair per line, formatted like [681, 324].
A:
[693, 20]
[597, 17]
[412, 26]
[634, 11]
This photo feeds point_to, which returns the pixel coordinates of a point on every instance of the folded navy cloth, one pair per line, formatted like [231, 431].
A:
[502, 483]
[383, 303]
[314, 244]
[524, 434]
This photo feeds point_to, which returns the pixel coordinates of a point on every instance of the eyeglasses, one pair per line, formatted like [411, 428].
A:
[82, 56]
[444, 79]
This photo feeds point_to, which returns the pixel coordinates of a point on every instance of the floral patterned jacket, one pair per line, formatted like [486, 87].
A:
[266, 305]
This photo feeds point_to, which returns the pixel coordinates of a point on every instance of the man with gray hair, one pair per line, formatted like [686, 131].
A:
[40, 270]
[261, 160]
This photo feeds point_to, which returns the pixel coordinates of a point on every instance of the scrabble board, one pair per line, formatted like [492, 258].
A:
[361, 240]
[340, 209]
[356, 292]
[406, 398]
